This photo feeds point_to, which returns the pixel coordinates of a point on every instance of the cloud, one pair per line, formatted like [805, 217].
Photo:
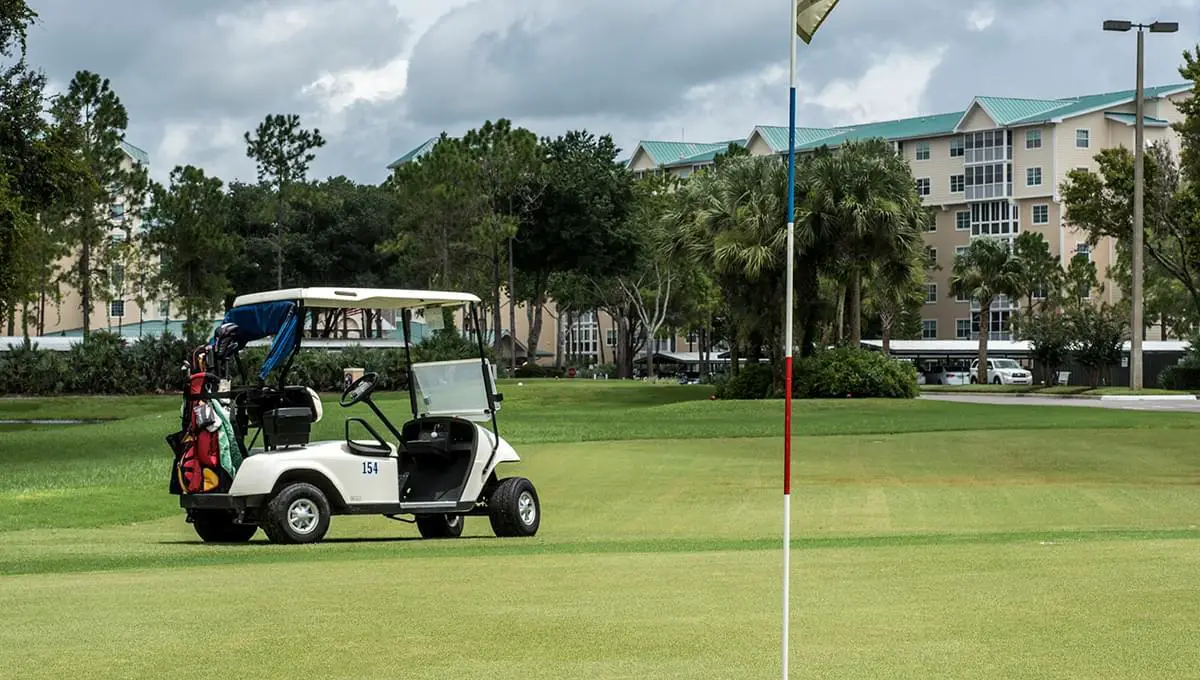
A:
[381, 76]
[981, 17]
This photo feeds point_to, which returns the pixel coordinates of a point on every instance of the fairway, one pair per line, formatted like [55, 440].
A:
[931, 539]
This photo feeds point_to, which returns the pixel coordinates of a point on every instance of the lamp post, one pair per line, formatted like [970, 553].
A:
[1135, 322]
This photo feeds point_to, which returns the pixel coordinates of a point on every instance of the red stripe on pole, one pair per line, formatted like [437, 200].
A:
[787, 428]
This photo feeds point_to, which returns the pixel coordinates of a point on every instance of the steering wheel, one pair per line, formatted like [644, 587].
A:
[359, 389]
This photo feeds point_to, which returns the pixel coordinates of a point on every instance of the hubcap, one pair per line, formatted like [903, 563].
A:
[453, 520]
[302, 515]
[526, 508]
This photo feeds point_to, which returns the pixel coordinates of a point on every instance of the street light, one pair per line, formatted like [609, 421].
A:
[1135, 325]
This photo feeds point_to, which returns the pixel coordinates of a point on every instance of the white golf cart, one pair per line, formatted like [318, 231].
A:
[438, 467]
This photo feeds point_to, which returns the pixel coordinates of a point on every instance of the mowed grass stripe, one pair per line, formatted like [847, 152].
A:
[189, 553]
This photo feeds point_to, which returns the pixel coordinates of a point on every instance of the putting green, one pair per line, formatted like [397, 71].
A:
[930, 539]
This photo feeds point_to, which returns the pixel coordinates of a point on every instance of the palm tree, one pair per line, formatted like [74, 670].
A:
[988, 269]
[867, 192]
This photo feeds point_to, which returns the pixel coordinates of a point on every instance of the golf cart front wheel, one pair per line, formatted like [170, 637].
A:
[299, 513]
[440, 526]
[514, 509]
[217, 526]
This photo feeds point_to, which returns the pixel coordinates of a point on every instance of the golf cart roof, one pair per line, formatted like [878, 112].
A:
[359, 298]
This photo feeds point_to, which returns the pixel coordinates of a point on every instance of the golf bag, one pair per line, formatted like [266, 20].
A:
[206, 454]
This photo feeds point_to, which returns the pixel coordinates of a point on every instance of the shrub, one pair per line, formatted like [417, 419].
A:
[751, 382]
[846, 372]
[107, 364]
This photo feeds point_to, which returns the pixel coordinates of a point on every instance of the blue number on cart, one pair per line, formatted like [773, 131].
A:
[370, 467]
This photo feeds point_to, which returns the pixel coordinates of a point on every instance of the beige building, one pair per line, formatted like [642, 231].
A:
[118, 260]
[994, 169]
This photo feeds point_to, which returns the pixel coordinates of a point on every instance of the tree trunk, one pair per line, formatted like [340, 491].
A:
[512, 313]
[985, 316]
[12, 320]
[855, 310]
[886, 326]
[558, 341]
[42, 313]
[535, 325]
[840, 316]
[496, 318]
[85, 280]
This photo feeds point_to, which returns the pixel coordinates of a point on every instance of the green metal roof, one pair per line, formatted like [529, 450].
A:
[1074, 106]
[1131, 119]
[1006, 110]
[673, 153]
[135, 153]
[706, 156]
[415, 153]
[776, 136]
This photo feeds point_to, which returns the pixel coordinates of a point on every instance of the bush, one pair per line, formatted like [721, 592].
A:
[845, 372]
[1180, 377]
[751, 382]
[107, 364]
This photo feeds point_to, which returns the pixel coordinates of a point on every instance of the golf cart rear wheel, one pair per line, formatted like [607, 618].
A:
[440, 526]
[217, 526]
[299, 513]
[514, 509]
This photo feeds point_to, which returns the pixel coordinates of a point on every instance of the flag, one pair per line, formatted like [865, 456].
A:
[810, 14]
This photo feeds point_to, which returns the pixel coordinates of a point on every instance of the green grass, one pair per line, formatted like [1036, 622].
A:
[931, 539]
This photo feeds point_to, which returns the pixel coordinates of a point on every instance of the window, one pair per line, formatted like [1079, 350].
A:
[116, 308]
[956, 147]
[923, 186]
[962, 220]
[1083, 138]
[958, 183]
[1033, 139]
[117, 276]
[930, 293]
[959, 251]
[164, 309]
[611, 338]
[1033, 177]
[994, 218]
[922, 151]
[1041, 214]
[929, 329]
[962, 329]
[931, 255]
[999, 326]
[960, 297]
[1083, 249]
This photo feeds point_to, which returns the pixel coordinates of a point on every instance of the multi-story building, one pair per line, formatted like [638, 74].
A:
[115, 301]
[992, 169]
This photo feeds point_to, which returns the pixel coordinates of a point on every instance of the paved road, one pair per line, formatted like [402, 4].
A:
[1147, 405]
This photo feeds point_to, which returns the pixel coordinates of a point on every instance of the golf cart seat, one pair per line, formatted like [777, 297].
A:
[445, 439]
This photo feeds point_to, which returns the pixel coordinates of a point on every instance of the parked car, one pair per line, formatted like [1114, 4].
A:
[1003, 372]
[952, 375]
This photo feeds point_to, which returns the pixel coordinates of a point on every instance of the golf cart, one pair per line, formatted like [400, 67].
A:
[438, 467]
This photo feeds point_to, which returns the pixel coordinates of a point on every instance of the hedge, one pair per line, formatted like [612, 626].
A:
[829, 374]
[106, 364]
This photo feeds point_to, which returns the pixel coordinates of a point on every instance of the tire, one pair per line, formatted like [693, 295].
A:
[514, 508]
[996, 380]
[299, 513]
[440, 526]
[217, 526]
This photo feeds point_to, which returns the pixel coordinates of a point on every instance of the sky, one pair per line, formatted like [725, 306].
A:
[379, 77]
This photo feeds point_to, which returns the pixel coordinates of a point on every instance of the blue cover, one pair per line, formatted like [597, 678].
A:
[268, 318]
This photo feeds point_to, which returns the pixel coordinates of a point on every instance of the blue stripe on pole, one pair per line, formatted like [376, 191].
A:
[791, 187]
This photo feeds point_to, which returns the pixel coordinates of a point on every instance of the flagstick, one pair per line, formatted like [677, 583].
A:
[787, 348]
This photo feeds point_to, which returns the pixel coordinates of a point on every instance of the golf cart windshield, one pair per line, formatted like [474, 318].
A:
[452, 388]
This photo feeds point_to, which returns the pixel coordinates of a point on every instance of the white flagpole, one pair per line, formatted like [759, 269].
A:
[787, 349]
